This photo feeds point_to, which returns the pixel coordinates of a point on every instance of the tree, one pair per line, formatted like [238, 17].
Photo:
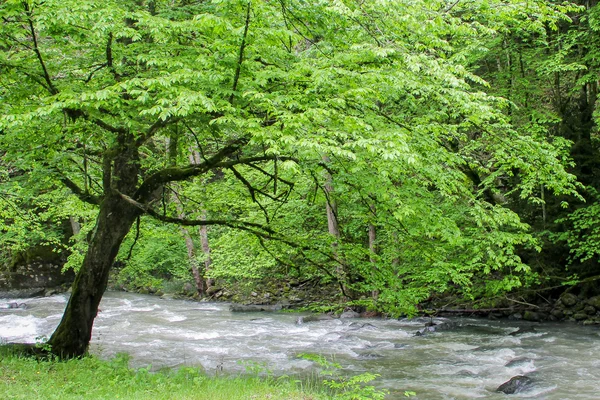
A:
[90, 90]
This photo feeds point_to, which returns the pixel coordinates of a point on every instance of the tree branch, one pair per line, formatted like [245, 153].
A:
[81, 194]
[174, 174]
[251, 190]
[238, 68]
[51, 88]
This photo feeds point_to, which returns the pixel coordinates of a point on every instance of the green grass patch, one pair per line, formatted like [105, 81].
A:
[92, 378]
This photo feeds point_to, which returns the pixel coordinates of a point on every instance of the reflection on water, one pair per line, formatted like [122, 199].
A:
[464, 363]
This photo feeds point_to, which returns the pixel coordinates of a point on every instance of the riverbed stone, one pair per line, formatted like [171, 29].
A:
[580, 316]
[557, 313]
[349, 314]
[22, 293]
[312, 318]
[518, 362]
[516, 384]
[589, 310]
[569, 299]
[522, 330]
[594, 302]
[592, 321]
[254, 307]
[533, 316]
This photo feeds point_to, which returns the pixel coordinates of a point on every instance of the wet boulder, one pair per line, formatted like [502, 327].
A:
[522, 330]
[442, 326]
[254, 307]
[312, 318]
[594, 302]
[569, 299]
[516, 384]
[354, 326]
[13, 306]
[22, 293]
[533, 316]
[518, 362]
[349, 314]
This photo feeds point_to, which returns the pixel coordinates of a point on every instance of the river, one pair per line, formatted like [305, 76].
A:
[465, 363]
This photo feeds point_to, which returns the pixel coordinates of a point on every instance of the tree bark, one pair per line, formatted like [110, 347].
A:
[206, 250]
[191, 252]
[373, 247]
[115, 218]
[73, 335]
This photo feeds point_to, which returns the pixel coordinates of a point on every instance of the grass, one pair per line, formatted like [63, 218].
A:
[92, 378]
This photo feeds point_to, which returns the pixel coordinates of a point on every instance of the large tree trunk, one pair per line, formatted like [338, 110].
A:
[115, 218]
[73, 335]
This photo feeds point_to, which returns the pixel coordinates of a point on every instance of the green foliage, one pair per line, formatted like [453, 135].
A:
[400, 105]
[348, 388]
[159, 254]
[582, 233]
[23, 378]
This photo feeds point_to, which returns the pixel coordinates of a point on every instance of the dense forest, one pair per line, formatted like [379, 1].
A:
[392, 153]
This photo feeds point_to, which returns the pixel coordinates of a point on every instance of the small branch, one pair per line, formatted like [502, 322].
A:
[84, 196]
[238, 68]
[104, 125]
[522, 302]
[109, 58]
[51, 88]
[447, 10]
[251, 190]
[174, 174]
[159, 124]
[137, 236]
[91, 75]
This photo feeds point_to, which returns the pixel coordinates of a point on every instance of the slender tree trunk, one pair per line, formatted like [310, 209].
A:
[206, 250]
[191, 252]
[332, 221]
[334, 230]
[75, 225]
[73, 335]
[373, 248]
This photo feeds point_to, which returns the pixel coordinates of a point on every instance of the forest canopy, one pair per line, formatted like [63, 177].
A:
[395, 149]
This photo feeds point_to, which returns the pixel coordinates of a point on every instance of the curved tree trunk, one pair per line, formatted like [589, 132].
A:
[73, 335]
[115, 218]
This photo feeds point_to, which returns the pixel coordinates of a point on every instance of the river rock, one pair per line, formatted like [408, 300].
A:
[589, 310]
[349, 314]
[533, 316]
[254, 307]
[13, 306]
[312, 318]
[369, 314]
[592, 321]
[580, 316]
[569, 299]
[516, 384]
[518, 362]
[522, 330]
[443, 326]
[22, 293]
[594, 302]
[354, 326]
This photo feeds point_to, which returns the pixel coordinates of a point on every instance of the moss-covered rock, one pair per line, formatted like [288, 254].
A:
[580, 316]
[594, 302]
[569, 299]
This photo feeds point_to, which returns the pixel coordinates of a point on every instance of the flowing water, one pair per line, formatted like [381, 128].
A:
[465, 363]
